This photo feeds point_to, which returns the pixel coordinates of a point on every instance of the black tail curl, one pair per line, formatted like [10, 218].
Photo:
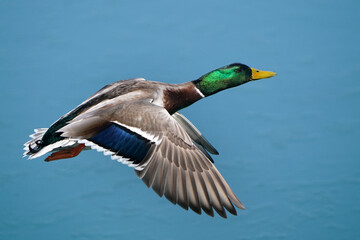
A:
[37, 148]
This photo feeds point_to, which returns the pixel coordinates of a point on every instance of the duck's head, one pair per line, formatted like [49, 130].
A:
[229, 76]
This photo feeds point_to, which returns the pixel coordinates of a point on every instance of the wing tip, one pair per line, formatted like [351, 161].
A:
[238, 204]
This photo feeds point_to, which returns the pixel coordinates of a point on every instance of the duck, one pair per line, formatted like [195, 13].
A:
[137, 122]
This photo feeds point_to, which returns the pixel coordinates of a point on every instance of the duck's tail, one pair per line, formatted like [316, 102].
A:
[32, 146]
[35, 148]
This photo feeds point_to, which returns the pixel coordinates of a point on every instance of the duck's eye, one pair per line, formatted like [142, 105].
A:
[239, 70]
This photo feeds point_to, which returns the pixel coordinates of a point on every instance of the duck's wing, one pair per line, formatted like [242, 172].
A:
[148, 138]
[195, 135]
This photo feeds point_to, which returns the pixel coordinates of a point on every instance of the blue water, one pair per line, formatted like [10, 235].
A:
[289, 145]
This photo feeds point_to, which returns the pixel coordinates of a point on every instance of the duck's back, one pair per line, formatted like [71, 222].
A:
[115, 93]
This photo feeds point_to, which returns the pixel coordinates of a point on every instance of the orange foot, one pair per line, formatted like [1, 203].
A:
[67, 153]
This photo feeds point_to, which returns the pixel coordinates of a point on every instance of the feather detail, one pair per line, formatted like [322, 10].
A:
[194, 133]
[183, 173]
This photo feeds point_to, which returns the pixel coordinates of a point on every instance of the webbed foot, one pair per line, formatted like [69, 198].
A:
[66, 153]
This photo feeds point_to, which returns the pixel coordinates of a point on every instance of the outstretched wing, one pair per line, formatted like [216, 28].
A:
[148, 138]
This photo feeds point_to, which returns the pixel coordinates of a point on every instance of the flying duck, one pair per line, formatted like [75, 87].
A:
[137, 123]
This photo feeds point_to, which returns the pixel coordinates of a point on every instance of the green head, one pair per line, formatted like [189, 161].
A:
[227, 77]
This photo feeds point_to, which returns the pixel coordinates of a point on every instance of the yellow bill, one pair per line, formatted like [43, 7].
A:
[258, 74]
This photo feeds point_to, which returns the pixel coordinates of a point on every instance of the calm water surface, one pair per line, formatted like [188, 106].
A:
[289, 146]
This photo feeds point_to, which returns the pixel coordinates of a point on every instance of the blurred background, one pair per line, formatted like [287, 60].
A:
[289, 145]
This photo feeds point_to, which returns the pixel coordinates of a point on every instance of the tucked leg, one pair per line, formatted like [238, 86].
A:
[67, 153]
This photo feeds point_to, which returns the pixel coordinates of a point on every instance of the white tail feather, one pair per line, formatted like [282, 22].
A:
[37, 135]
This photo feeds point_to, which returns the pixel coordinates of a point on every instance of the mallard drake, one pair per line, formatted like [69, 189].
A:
[137, 123]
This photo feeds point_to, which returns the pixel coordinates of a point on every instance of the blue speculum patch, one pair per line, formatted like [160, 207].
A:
[123, 142]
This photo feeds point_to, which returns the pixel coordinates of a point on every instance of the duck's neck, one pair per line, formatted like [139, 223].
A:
[180, 96]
